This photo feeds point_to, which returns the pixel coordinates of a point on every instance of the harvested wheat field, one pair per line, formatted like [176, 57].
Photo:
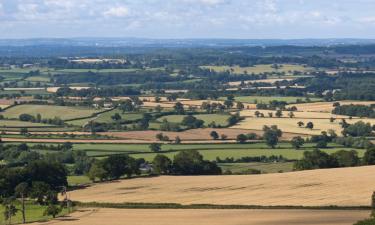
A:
[290, 125]
[326, 106]
[209, 216]
[341, 187]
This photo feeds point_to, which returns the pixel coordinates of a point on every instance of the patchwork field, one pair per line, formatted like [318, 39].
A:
[257, 69]
[306, 188]
[49, 111]
[266, 99]
[209, 217]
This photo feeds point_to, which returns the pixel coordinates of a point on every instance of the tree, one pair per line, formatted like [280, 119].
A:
[179, 108]
[159, 136]
[214, 135]
[240, 105]
[127, 106]
[223, 137]
[24, 131]
[279, 113]
[119, 165]
[116, 117]
[369, 157]
[271, 135]
[297, 142]
[52, 210]
[315, 159]
[241, 138]
[10, 209]
[177, 140]
[300, 124]
[346, 158]
[22, 190]
[192, 122]
[39, 191]
[310, 125]
[162, 164]
[155, 147]
[257, 113]
[97, 171]
[228, 104]
[291, 114]
[191, 162]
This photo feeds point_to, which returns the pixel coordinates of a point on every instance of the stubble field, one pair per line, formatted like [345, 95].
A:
[341, 187]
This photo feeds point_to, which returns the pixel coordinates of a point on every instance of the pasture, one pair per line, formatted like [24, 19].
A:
[210, 217]
[325, 187]
[209, 151]
[49, 111]
[219, 119]
[17, 123]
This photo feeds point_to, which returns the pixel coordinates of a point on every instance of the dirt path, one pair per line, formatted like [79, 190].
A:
[210, 216]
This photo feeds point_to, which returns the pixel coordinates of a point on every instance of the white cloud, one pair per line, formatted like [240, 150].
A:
[121, 11]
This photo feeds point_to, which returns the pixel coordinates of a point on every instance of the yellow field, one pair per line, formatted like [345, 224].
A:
[290, 124]
[341, 187]
[327, 106]
[303, 115]
[209, 217]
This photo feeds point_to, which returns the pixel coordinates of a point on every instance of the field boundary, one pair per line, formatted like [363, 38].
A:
[130, 205]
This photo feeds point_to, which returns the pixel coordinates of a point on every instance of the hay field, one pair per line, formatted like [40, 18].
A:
[289, 125]
[298, 114]
[327, 106]
[267, 99]
[49, 111]
[342, 187]
[208, 217]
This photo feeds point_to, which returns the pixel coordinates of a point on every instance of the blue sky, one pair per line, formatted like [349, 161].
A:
[188, 18]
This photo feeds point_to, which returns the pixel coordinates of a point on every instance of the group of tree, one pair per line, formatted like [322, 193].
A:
[114, 167]
[185, 162]
[39, 181]
[318, 159]
[38, 119]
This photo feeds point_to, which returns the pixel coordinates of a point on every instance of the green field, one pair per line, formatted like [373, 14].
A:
[49, 111]
[257, 69]
[34, 213]
[106, 117]
[209, 151]
[78, 180]
[267, 99]
[263, 167]
[219, 119]
[17, 123]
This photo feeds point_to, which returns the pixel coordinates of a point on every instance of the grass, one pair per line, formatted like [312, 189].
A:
[106, 117]
[17, 123]
[263, 167]
[34, 212]
[78, 180]
[219, 119]
[49, 111]
[263, 68]
[209, 151]
[267, 99]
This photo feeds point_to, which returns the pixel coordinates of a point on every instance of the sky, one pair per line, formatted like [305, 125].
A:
[242, 19]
